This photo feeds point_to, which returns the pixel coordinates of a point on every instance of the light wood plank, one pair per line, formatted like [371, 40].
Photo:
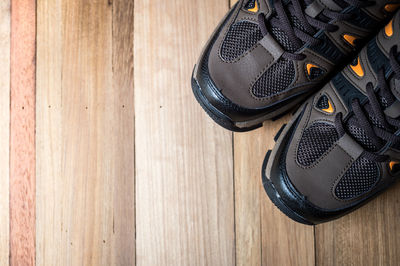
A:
[263, 234]
[50, 235]
[184, 176]
[368, 236]
[248, 191]
[123, 119]
[22, 133]
[4, 128]
[85, 133]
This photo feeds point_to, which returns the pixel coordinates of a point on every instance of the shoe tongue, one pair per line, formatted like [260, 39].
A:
[332, 5]
[281, 36]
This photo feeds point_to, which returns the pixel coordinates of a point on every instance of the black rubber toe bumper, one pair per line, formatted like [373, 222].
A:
[214, 108]
[276, 198]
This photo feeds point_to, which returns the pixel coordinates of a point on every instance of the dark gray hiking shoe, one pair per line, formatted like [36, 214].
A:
[342, 147]
[267, 56]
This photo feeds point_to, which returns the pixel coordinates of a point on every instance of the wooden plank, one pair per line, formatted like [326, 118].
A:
[248, 196]
[48, 136]
[184, 176]
[263, 234]
[85, 133]
[50, 236]
[369, 236]
[5, 10]
[123, 241]
[22, 133]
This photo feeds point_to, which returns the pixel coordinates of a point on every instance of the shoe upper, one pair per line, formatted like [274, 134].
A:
[343, 145]
[265, 53]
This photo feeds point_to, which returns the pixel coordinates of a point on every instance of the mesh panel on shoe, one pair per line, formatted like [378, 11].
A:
[323, 102]
[239, 39]
[316, 73]
[360, 135]
[283, 39]
[385, 103]
[276, 79]
[358, 179]
[316, 140]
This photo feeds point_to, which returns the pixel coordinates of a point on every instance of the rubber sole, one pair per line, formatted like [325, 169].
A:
[276, 198]
[215, 114]
[224, 121]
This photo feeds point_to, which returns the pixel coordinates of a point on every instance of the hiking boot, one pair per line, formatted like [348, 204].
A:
[342, 147]
[267, 57]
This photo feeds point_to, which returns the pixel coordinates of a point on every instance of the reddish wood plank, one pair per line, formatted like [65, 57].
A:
[5, 11]
[22, 133]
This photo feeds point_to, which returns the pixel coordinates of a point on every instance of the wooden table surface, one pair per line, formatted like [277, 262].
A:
[107, 159]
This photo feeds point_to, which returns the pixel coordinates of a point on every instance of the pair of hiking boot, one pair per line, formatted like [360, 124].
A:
[342, 146]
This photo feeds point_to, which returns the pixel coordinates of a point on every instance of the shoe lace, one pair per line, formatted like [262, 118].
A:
[381, 129]
[310, 25]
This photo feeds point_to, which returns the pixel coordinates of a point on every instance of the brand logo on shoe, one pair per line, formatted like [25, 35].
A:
[330, 108]
[394, 167]
[324, 104]
[392, 7]
[350, 39]
[389, 29]
[357, 68]
[252, 6]
[314, 71]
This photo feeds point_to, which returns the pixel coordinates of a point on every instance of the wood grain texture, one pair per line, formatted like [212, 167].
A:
[50, 235]
[368, 236]
[85, 133]
[22, 133]
[184, 175]
[248, 196]
[113, 79]
[5, 35]
[121, 135]
[264, 235]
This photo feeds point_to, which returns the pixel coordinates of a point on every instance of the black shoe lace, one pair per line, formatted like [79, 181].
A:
[310, 25]
[384, 130]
